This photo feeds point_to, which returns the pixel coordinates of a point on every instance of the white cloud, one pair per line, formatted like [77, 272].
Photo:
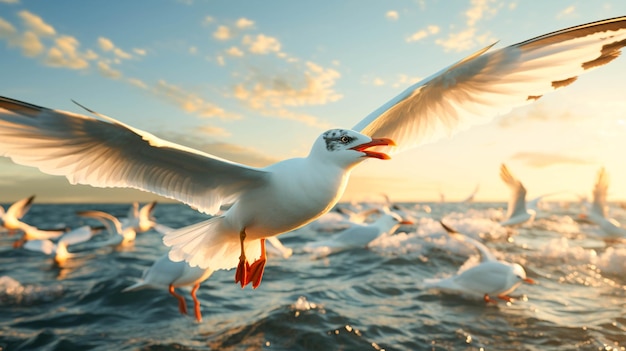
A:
[234, 51]
[468, 37]
[140, 52]
[190, 102]
[220, 60]
[30, 44]
[105, 44]
[208, 19]
[107, 71]
[567, 12]
[10, 1]
[261, 44]
[270, 95]
[214, 131]
[65, 54]
[193, 50]
[122, 54]
[378, 82]
[137, 82]
[6, 29]
[222, 33]
[36, 24]
[244, 23]
[479, 9]
[421, 34]
[392, 15]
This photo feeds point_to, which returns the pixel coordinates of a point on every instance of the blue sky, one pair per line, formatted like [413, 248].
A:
[258, 81]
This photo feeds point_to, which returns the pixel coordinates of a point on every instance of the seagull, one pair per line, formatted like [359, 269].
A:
[120, 235]
[141, 219]
[284, 196]
[170, 274]
[59, 250]
[11, 218]
[598, 213]
[360, 235]
[517, 213]
[491, 277]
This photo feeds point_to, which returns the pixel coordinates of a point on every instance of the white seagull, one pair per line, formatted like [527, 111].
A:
[359, 235]
[59, 250]
[598, 212]
[165, 273]
[11, 218]
[491, 277]
[289, 194]
[516, 212]
[119, 235]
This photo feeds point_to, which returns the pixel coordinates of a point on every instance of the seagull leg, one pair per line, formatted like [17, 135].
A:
[505, 298]
[257, 268]
[241, 276]
[182, 306]
[196, 303]
[489, 300]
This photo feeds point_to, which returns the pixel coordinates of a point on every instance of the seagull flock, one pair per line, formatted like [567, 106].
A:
[265, 202]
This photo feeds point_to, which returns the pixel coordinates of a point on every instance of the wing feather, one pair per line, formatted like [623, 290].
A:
[487, 84]
[108, 153]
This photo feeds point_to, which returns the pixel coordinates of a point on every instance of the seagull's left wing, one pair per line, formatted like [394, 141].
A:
[484, 85]
[19, 208]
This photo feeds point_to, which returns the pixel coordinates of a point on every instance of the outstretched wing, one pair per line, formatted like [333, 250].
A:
[108, 153]
[485, 85]
[517, 199]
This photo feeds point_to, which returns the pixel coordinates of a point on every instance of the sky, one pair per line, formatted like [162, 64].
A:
[258, 81]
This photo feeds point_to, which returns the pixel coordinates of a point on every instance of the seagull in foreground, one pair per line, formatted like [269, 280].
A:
[491, 277]
[287, 195]
[517, 213]
[598, 212]
[165, 273]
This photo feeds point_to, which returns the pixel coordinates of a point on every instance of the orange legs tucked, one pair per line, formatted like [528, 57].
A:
[182, 306]
[196, 303]
[501, 297]
[246, 272]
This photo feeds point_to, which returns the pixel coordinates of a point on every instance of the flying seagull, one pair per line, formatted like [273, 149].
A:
[284, 196]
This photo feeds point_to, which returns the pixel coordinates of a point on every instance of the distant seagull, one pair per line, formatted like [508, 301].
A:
[490, 278]
[59, 250]
[289, 194]
[598, 215]
[359, 235]
[118, 235]
[471, 196]
[11, 218]
[142, 220]
[165, 273]
[517, 213]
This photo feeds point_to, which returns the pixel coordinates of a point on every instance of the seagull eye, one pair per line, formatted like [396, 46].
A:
[345, 139]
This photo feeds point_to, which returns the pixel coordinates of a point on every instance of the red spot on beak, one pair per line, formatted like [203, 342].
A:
[529, 281]
[407, 222]
[375, 142]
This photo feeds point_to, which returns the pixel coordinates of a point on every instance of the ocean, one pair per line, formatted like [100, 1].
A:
[367, 298]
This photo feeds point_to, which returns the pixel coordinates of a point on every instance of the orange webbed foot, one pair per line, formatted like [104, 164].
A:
[255, 272]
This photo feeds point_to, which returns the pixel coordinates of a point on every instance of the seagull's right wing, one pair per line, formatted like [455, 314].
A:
[600, 189]
[517, 200]
[111, 154]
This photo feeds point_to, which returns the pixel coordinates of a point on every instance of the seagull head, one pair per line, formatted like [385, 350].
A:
[347, 147]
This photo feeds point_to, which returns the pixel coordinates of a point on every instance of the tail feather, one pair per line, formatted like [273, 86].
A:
[209, 244]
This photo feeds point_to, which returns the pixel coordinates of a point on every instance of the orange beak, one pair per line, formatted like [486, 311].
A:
[529, 281]
[375, 142]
